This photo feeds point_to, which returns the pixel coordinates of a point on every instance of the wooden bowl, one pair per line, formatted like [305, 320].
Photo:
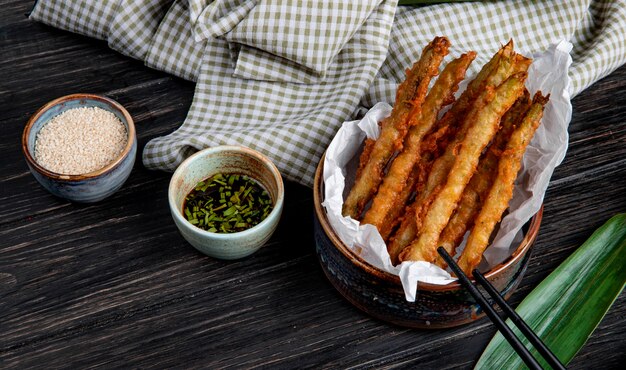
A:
[380, 293]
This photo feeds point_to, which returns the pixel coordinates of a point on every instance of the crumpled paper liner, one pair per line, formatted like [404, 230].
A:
[547, 73]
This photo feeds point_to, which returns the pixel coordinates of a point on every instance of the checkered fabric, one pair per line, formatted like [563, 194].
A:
[88, 17]
[597, 30]
[290, 122]
[173, 48]
[294, 53]
[134, 26]
[282, 76]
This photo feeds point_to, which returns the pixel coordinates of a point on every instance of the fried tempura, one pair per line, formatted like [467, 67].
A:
[501, 192]
[411, 93]
[476, 190]
[480, 133]
[415, 183]
[455, 123]
[391, 219]
[365, 155]
[392, 192]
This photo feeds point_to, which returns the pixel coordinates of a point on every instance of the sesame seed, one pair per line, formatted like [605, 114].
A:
[80, 140]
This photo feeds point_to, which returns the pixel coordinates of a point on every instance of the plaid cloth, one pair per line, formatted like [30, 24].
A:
[282, 76]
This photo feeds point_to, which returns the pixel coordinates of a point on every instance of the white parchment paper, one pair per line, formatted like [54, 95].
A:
[547, 73]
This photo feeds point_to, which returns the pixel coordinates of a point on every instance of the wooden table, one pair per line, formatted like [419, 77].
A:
[114, 284]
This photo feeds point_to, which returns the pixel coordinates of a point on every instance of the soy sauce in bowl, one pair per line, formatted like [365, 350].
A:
[202, 166]
[227, 203]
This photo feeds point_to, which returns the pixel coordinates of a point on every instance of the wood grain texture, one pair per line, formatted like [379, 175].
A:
[114, 285]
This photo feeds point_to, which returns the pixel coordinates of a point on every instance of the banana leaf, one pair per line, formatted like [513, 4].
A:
[566, 307]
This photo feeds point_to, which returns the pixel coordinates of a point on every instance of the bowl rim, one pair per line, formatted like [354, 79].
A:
[84, 176]
[278, 204]
[495, 272]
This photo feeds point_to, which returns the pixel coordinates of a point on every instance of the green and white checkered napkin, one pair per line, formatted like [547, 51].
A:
[281, 76]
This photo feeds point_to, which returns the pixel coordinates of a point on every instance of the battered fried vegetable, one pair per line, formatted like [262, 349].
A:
[365, 155]
[411, 93]
[414, 183]
[476, 190]
[501, 192]
[404, 235]
[500, 67]
[392, 218]
[479, 134]
[455, 124]
[392, 192]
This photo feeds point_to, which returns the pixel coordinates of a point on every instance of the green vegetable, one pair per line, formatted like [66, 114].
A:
[227, 203]
[566, 307]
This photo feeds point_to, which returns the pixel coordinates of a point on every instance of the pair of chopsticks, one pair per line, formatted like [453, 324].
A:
[508, 334]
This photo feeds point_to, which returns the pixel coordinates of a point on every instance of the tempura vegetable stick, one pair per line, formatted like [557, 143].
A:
[404, 235]
[391, 192]
[501, 66]
[476, 190]
[392, 217]
[411, 93]
[501, 192]
[365, 155]
[479, 134]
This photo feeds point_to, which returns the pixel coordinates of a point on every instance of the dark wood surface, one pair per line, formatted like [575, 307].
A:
[114, 284]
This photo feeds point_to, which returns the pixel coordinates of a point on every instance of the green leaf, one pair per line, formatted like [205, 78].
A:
[566, 307]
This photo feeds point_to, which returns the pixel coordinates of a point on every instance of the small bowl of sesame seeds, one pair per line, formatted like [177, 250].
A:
[80, 147]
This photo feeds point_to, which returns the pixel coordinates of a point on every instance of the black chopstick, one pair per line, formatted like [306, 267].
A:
[519, 322]
[508, 334]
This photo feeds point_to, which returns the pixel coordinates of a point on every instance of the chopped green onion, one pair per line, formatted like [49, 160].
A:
[227, 203]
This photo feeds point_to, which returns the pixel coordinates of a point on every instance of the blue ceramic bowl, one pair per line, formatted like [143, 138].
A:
[226, 159]
[380, 293]
[89, 187]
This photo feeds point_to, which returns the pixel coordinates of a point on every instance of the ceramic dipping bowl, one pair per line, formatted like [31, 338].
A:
[89, 187]
[226, 160]
[380, 293]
